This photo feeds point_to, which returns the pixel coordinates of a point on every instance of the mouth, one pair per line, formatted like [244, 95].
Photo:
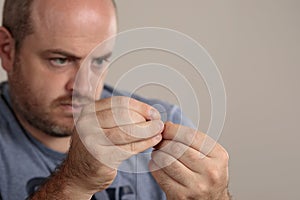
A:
[77, 106]
[71, 105]
[72, 108]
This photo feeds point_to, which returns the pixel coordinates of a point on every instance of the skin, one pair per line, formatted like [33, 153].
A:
[78, 33]
[186, 171]
[42, 79]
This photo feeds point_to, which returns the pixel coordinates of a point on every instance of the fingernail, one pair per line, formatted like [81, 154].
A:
[158, 137]
[161, 125]
[154, 114]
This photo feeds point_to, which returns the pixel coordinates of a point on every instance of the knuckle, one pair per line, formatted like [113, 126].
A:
[125, 101]
[202, 189]
[214, 175]
[160, 158]
[127, 131]
[177, 149]
[100, 116]
[225, 155]
[122, 113]
[170, 161]
[133, 148]
[189, 136]
[177, 172]
[191, 156]
[117, 101]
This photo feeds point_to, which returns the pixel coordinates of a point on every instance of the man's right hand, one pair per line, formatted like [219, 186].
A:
[111, 131]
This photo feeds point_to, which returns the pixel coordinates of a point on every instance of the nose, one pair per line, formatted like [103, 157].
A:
[70, 84]
[83, 81]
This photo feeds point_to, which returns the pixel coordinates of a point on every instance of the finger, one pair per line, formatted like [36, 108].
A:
[189, 157]
[113, 155]
[89, 129]
[167, 183]
[115, 117]
[109, 119]
[140, 146]
[132, 133]
[213, 169]
[195, 139]
[172, 167]
[147, 111]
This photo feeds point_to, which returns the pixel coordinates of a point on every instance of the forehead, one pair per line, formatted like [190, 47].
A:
[73, 22]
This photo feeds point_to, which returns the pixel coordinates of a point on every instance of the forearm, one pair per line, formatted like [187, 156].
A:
[61, 186]
[79, 176]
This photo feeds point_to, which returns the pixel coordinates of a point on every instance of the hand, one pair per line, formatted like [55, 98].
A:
[184, 171]
[127, 127]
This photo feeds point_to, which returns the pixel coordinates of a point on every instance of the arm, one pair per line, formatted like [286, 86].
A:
[69, 181]
[127, 127]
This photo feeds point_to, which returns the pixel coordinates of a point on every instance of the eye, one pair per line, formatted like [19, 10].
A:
[98, 63]
[60, 62]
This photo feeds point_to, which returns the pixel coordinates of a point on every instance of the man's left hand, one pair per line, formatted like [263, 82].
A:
[188, 164]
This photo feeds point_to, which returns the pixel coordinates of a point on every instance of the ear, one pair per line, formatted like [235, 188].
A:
[7, 49]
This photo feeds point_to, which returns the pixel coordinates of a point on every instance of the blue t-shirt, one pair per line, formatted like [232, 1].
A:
[25, 163]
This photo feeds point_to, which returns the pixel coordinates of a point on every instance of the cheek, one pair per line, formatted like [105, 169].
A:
[42, 83]
[24, 91]
[36, 79]
[31, 90]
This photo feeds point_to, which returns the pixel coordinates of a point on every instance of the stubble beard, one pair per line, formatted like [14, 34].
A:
[27, 106]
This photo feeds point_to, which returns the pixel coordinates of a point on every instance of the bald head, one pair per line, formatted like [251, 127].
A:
[76, 17]
[17, 14]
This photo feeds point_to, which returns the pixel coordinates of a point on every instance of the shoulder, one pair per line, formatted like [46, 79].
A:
[169, 112]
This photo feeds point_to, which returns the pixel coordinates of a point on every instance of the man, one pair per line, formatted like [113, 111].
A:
[42, 44]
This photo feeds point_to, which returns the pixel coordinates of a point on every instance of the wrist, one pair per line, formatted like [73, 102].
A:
[83, 171]
[75, 181]
[82, 178]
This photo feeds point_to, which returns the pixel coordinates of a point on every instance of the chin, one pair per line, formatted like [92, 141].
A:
[60, 131]
[60, 127]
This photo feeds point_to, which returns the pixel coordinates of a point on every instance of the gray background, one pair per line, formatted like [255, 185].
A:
[256, 46]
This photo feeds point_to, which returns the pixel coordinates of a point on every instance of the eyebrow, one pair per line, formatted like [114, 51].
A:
[105, 56]
[71, 55]
[61, 52]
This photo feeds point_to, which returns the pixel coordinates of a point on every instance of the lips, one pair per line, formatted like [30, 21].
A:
[74, 108]
[72, 105]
